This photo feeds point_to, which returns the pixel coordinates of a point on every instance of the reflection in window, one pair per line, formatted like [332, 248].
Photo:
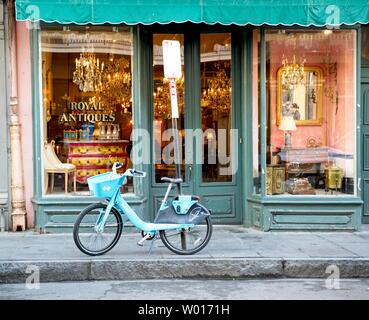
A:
[311, 147]
[216, 104]
[164, 161]
[365, 45]
[87, 101]
[256, 167]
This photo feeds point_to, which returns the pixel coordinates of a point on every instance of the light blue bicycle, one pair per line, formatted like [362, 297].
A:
[183, 224]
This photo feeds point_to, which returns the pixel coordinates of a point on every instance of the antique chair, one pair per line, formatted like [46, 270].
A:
[54, 165]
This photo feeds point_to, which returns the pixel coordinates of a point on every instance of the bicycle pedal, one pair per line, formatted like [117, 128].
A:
[141, 242]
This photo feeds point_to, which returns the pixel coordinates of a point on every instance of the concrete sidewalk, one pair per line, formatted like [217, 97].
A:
[233, 252]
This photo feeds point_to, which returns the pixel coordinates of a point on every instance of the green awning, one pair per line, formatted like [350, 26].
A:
[239, 12]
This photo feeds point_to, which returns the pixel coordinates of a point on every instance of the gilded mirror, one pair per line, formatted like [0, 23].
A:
[303, 101]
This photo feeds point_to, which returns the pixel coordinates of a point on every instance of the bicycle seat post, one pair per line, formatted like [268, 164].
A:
[170, 186]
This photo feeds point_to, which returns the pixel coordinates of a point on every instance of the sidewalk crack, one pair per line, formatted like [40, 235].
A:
[338, 245]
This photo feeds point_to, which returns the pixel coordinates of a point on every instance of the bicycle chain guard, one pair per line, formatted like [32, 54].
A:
[196, 214]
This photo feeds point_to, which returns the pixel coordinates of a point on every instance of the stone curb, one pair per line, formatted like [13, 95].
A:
[232, 268]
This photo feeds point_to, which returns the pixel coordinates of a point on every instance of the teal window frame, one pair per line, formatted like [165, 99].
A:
[356, 198]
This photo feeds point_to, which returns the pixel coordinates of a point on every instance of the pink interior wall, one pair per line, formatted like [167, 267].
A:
[340, 132]
[25, 113]
[342, 137]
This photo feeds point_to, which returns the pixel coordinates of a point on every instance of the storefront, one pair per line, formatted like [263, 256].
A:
[272, 107]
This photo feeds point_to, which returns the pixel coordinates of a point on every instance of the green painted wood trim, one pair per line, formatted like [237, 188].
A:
[248, 97]
[305, 201]
[86, 200]
[236, 101]
[313, 218]
[246, 129]
[364, 73]
[4, 103]
[140, 104]
[359, 120]
[36, 112]
[193, 99]
[60, 217]
[311, 201]
[5, 183]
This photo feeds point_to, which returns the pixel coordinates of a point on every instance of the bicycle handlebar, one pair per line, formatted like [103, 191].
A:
[130, 172]
[138, 172]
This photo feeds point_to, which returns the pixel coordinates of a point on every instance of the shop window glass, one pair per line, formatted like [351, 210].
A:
[256, 168]
[164, 161]
[365, 46]
[216, 104]
[87, 105]
[311, 112]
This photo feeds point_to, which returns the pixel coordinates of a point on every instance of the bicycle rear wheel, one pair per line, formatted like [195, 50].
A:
[187, 242]
[90, 241]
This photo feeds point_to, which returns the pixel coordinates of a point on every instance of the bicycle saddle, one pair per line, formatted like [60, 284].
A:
[170, 180]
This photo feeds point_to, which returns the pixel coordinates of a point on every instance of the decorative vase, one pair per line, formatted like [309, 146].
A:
[102, 132]
[108, 132]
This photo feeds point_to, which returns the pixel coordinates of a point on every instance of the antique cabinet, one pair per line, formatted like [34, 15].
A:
[95, 156]
[316, 155]
[305, 161]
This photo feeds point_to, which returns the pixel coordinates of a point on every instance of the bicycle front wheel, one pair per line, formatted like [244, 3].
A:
[88, 239]
[187, 242]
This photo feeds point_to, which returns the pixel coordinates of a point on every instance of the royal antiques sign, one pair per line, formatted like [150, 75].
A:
[90, 112]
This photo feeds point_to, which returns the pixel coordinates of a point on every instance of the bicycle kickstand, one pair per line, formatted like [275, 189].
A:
[152, 243]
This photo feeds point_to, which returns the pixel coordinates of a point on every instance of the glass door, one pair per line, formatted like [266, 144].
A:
[217, 180]
[162, 125]
[163, 134]
[208, 124]
[216, 105]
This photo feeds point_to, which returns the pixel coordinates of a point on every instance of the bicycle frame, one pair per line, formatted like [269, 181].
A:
[123, 207]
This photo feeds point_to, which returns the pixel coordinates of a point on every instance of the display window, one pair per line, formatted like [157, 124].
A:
[311, 112]
[256, 108]
[87, 105]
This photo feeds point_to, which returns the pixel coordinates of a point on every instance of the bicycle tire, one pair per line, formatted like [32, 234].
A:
[77, 228]
[164, 235]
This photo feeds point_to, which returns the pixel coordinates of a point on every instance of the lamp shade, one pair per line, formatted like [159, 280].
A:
[287, 124]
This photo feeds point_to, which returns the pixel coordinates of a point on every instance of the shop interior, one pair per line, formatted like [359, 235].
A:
[87, 99]
[311, 135]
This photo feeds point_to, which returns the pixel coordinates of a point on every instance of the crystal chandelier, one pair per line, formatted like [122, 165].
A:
[116, 88]
[293, 73]
[89, 72]
[218, 94]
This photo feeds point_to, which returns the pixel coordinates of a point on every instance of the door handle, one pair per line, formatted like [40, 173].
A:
[190, 169]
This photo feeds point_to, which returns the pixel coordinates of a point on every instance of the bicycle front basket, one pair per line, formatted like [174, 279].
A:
[104, 185]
